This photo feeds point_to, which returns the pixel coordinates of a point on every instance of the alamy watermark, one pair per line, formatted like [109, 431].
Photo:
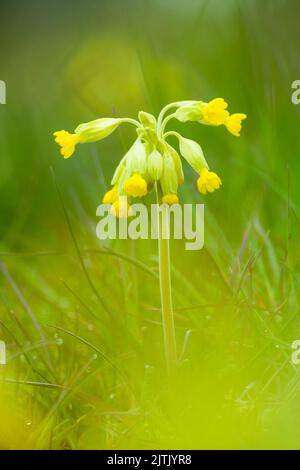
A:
[295, 356]
[2, 92]
[181, 222]
[295, 96]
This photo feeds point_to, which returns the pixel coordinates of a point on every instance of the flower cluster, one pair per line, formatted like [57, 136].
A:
[151, 159]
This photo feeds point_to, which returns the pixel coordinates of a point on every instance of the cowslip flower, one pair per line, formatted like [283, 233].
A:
[152, 160]
[67, 142]
[213, 113]
[170, 199]
[87, 132]
[208, 181]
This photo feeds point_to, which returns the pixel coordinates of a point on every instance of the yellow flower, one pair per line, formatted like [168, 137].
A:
[67, 142]
[110, 196]
[234, 123]
[214, 112]
[208, 181]
[121, 208]
[135, 186]
[170, 199]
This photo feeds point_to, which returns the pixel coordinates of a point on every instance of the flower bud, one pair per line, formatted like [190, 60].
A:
[155, 165]
[193, 153]
[147, 120]
[169, 180]
[177, 162]
[97, 130]
[136, 160]
[121, 168]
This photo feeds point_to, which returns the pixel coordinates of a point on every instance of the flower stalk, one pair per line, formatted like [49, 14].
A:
[165, 287]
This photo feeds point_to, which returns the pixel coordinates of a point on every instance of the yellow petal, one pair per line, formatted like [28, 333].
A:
[121, 209]
[170, 199]
[234, 123]
[110, 196]
[135, 186]
[214, 112]
[208, 181]
[67, 142]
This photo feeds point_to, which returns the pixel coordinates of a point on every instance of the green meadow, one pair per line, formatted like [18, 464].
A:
[81, 318]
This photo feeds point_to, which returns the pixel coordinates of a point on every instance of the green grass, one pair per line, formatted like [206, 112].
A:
[82, 319]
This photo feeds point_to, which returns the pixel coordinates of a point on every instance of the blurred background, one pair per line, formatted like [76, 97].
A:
[81, 319]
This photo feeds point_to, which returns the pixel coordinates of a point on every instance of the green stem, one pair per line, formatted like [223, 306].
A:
[164, 123]
[163, 112]
[165, 288]
[132, 121]
[169, 106]
[175, 134]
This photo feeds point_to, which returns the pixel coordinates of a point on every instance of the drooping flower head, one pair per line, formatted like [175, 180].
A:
[151, 159]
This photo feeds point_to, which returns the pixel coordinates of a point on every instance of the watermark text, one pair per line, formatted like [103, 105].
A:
[178, 221]
[2, 92]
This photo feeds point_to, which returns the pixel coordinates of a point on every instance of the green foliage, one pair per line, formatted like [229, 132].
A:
[81, 319]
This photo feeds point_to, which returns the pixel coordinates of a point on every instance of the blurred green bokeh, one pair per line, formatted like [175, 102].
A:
[82, 325]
